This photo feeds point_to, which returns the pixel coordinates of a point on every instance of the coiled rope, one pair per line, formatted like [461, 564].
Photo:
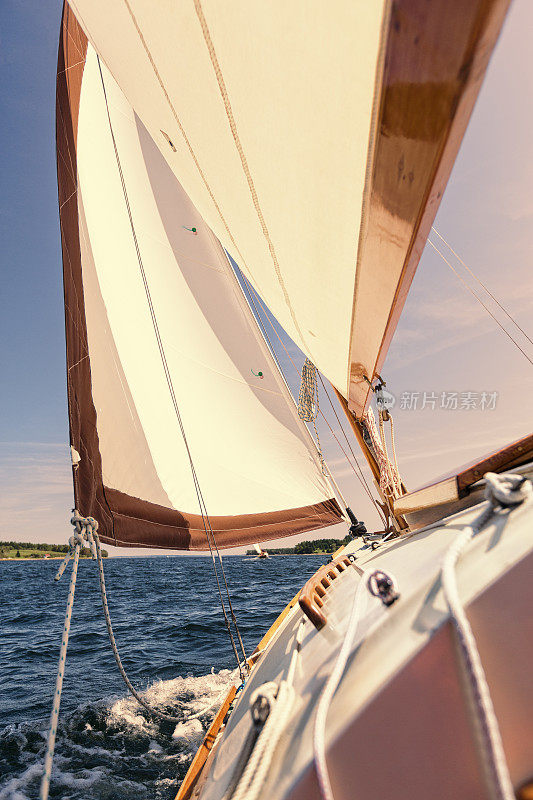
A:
[86, 530]
[390, 481]
[308, 405]
[249, 293]
[502, 492]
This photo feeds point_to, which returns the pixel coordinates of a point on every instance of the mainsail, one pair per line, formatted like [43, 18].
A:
[315, 139]
[177, 408]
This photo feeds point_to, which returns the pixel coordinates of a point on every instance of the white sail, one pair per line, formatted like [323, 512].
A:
[315, 140]
[283, 191]
[174, 363]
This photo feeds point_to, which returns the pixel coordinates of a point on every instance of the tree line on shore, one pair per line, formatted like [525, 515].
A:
[307, 547]
[37, 547]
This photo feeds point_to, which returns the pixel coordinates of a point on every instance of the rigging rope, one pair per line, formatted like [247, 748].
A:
[486, 289]
[280, 698]
[75, 543]
[210, 536]
[249, 293]
[502, 492]
[308, 405]
[389, 477]
[487, 309]
[361, 476]
[85, 528]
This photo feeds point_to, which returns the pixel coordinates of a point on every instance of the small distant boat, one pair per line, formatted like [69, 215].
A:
[260, 553]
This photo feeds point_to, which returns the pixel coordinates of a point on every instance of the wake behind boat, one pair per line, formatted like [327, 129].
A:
[313, 154]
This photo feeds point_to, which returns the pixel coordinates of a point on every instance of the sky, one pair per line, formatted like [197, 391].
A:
[445, 342]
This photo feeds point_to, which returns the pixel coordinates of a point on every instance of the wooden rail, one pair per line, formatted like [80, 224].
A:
[313, 593]
[203, 751]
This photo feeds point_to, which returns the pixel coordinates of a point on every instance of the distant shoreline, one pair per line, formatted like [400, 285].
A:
[39, 558]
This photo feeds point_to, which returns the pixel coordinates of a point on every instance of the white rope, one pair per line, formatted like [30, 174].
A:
[86, 529]
[308, 404]
[281, 702]
[319, 731]
[389, 478]
[505, 491]
[75, 544]
[308, 410]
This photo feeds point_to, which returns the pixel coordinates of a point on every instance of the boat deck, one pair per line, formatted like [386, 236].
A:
[399, 723]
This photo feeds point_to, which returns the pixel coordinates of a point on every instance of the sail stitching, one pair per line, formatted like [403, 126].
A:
[182, 129]
[69, 166]
[63, 127]
[201, 502]
[244, 163]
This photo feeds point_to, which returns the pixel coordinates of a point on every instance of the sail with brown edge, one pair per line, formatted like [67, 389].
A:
[322, 183]
[182, 424]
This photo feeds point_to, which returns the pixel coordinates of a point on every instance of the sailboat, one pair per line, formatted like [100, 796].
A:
[309, 143]
[260, 552]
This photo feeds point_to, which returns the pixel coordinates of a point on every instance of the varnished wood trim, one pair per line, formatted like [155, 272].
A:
[512, 455]
[315, 590]
[435, 60]
[193, 773]
[453, 488]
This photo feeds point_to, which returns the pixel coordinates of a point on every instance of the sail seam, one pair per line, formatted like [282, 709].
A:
[244, 163]
[182, 129]
[189, 527]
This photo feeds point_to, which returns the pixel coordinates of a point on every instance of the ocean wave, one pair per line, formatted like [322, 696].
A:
[112, 748]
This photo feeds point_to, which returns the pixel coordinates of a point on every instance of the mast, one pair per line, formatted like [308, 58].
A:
[360, 433]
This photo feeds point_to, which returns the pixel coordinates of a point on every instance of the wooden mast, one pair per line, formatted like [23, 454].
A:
[386, 502]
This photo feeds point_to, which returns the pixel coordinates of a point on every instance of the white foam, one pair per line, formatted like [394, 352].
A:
[176, 694]
[190, 733]
[12, 789]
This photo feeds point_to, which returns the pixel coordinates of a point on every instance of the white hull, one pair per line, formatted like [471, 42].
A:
[400, 724]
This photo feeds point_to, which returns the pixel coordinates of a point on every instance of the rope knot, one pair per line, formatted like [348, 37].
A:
[506, 490]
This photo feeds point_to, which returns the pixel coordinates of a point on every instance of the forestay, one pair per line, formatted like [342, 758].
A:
[164, 357]
[315, 138]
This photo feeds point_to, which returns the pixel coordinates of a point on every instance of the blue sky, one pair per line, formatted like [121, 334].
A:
[445, 341]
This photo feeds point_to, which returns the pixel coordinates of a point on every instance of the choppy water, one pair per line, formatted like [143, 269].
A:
[173, 644]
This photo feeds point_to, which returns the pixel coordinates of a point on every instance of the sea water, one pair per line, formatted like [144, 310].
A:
[174, 646]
